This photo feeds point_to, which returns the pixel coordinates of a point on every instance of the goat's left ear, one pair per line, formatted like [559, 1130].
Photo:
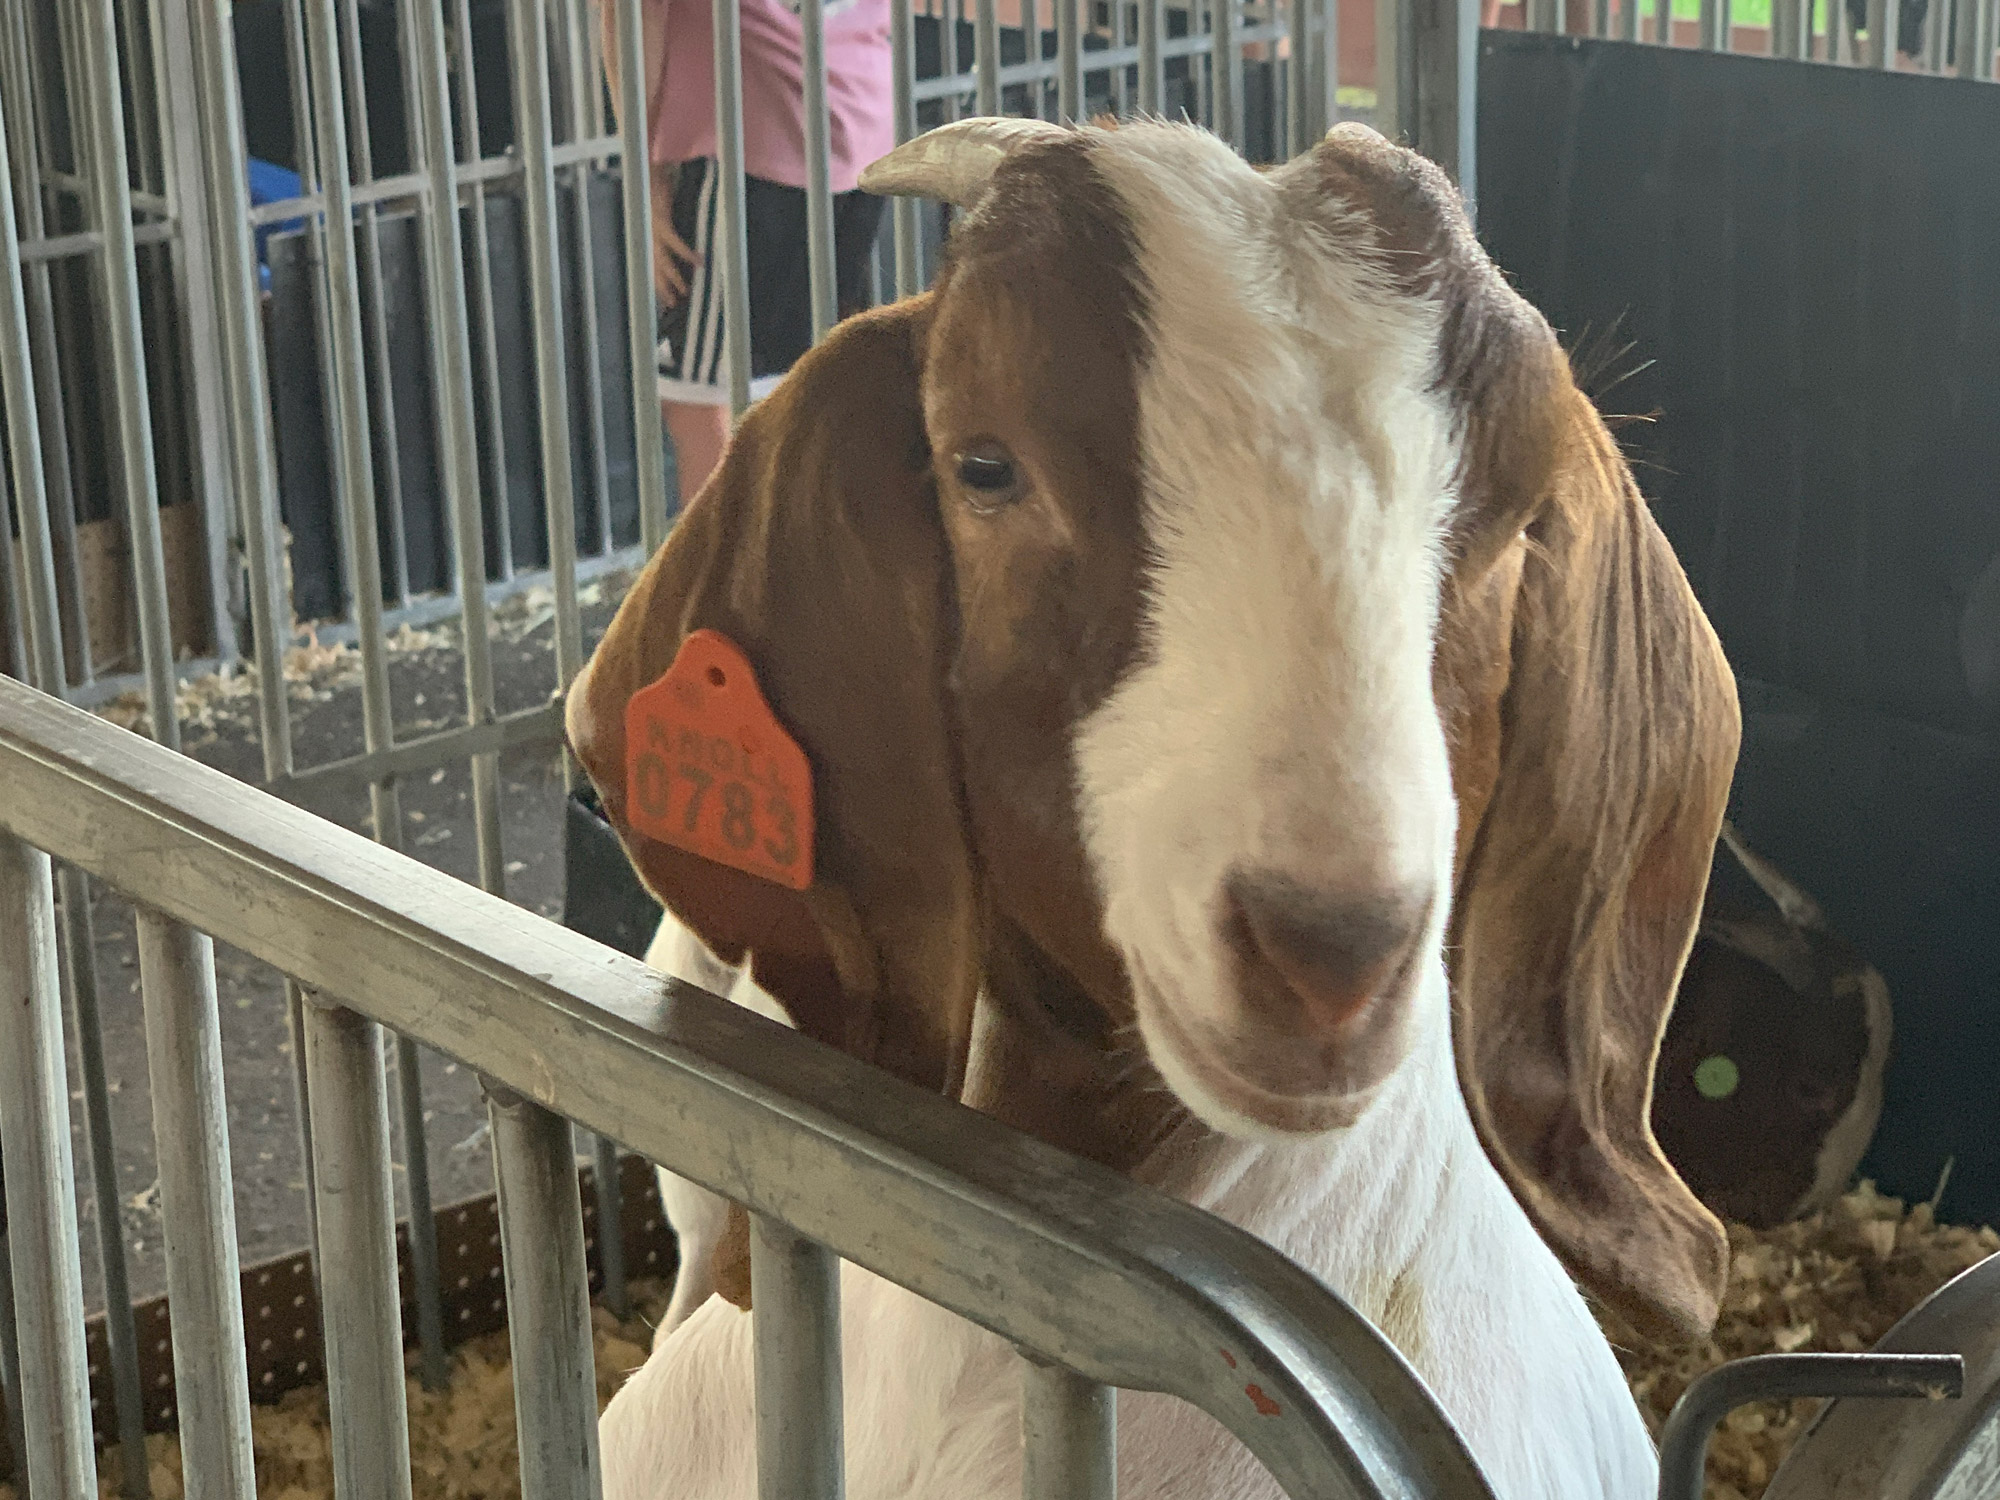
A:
[1595, 737]
[816, 548]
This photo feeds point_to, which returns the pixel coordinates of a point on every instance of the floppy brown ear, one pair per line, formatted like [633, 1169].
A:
[1593, 788]
[817, 549]
[1593, 727]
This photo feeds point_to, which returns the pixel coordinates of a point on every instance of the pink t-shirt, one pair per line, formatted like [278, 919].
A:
[859, 106]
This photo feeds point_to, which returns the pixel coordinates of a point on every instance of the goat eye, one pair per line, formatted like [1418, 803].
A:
[989, 476]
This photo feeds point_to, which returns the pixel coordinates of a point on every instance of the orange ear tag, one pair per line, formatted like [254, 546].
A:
[708, 768]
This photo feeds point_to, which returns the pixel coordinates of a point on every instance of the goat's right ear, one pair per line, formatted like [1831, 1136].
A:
[816, 548]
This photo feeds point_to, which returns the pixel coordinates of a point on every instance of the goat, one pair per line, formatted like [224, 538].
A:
[1208, 612]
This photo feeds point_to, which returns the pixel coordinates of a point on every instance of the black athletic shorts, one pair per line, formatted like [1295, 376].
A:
[693, 355]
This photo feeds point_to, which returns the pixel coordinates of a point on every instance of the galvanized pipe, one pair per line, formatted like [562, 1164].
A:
[79, 975]
[734, 266]
[1069, 60]
[10, 1360]
[548, 1298]
[254, 460]
[1226, 70]
[611, 1226]
[40, 1186]
[295, 1033]
[1883, 16]
[527, 27]
[1790, 1377]
[903, 66]
[641, 307]
[118, 273]
[435, 1370]
[1069, 1435]
[819, 165]
[360, 1304]
[198, 1210]
[1628, 20]
[986, 56]
[795, 1286]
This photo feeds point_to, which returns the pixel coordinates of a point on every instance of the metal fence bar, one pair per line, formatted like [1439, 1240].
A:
[1226, 23]
[1935, 21]
[60, 1459]
[487, 387]
[903, 210]
[1298, 79]
[735, 261]
[1069, 59]
[10, 1360]
[118, 276]
[548, 1298]
[986, 56]
[295, 1035]
[254, 459]
[389, 449]
[1882, 18]
[611, 1226]
[20, 95]
[641, 308]
[1069, 1435]
[819, 185]
[360, 1306]
[1663, 22]
[795, 1285]
[198, 1211]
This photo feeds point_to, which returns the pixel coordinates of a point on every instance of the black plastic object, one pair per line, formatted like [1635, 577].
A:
[602, 897]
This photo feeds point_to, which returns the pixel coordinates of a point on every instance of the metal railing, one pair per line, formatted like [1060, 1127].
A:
[1955, 38]
[1100, 1283]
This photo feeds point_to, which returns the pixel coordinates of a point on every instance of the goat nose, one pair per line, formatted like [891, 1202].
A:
[1334, 951]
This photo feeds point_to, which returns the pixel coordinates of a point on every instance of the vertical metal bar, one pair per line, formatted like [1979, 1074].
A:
[40, 1186]
[527, 24]
[1882, 18]
[795, 1286]
[1784, 13]
[1715, 25]
[237, 293]
[819, 166]
[1226, 17]
[10, 1361]
[1600, 18]
[1121, 98]
[735, 267]
[41, 663]
[1989, 28]
[451, 366]
[642, 312]
[548, 1298]
[986, 56]
[611, 1227]
[360, 1306]
[1663, 22]
[1965, 37]
[118, 272]
[200, 348]
[1396, 65]
[389, 449]
[79, 974]
[1152, 57]
[1069, 1435]
[295, 1033]
[1543, 16]
[1628, 20]
[1445, 38]
[1069, 60]
[1326, 99]
[488, 385]
[1935, 22]
[903, 63]
[954, 12]
[191, 1136]
[435, 1371]
[23, 90]
[593, 360]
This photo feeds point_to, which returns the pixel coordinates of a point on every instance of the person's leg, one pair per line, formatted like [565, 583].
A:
[694, 399]
[699, 432]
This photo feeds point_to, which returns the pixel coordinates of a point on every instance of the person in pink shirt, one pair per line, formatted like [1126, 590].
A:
[680, 111]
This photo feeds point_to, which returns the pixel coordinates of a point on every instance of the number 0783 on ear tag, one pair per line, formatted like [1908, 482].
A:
[709, 769]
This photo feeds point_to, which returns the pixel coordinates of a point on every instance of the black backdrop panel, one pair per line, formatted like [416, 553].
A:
[1811, 258]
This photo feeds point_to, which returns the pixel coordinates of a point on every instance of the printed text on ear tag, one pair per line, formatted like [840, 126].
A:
[708, 768]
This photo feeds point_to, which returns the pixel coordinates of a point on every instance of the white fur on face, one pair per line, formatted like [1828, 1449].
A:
[1298, 470]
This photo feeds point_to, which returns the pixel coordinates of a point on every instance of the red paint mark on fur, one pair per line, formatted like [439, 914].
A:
[1227, 1358]
[1266, 1407]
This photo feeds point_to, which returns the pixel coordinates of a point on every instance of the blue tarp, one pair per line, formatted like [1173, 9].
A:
[271, 184]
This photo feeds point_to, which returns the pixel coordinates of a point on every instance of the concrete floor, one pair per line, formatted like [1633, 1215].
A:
[427, 686]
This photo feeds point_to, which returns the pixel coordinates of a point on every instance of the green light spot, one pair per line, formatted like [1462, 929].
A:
[1716, 1077]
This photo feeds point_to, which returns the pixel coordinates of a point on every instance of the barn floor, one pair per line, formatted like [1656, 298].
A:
[219, 726]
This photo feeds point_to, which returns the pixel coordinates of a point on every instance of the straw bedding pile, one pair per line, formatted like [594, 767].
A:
[1835, 1281]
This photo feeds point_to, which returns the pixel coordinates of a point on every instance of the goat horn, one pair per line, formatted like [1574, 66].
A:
[954, 162]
